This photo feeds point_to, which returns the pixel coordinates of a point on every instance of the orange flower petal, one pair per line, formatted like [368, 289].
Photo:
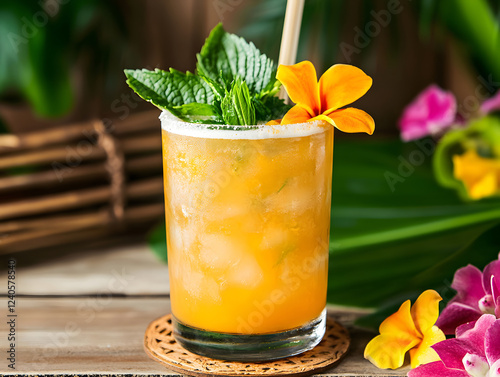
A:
[424, 353]
[341, 85]
[324, 118]
[353, 120]
[398, 334]
[296, 114]
[388, 351]
[273, 122]
[400, 322]
[425, 311]
[301, 83]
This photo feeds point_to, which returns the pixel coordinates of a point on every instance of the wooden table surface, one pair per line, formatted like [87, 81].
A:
[85, 314]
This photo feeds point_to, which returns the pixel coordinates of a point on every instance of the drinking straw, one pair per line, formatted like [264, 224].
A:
[290, 37]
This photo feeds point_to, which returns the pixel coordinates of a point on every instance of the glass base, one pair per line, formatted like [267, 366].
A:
[259, 347]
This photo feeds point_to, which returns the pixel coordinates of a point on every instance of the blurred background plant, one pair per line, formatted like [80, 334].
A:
[48, 46]
[474, 24]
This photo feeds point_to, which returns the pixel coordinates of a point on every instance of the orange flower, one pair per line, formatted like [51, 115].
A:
[408, 330]
[339, 86]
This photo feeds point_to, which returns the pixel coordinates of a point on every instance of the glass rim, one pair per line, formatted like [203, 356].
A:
[172, 124]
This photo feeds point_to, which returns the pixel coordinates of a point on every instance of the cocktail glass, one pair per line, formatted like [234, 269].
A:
[248, 222]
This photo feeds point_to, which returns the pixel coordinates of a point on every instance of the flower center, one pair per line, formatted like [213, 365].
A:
[487, 304]
[475, 366]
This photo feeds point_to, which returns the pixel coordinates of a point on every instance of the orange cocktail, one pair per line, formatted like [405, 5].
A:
[248, 219]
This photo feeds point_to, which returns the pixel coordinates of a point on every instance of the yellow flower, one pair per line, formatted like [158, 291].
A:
[339, 86]
[409, 329]
[481, 176]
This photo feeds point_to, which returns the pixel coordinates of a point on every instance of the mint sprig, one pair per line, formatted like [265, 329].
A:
[237, 106]
[235, 84]
[226, 56]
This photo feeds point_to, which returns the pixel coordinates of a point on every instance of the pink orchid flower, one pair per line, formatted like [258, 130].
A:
[491, 104]
[474, 352]
[431, 112]
[477, 294]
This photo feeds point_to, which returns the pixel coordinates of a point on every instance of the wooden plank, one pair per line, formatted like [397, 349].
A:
[103, 335]
[92, 272]
[91, 335]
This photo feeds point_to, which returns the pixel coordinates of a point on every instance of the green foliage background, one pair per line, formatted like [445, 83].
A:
[474, 24]
[39, 49]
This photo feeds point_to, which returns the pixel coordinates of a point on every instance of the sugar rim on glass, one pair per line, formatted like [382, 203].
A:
[172, 124]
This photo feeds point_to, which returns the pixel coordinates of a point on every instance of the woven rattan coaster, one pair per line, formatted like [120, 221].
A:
[161, 346]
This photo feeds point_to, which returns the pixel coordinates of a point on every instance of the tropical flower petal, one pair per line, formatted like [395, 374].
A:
[468, 282]
[341, 85]
[473, 338]
[301, 84]
[491, 104]
[462, 329]
[273, 122]
[481, 176]
[431, 112]
[492, 269]
[296, 114]
[353, 120]
[388, 351]
[398, 334]
[452, 351]
[436, 369]
[483, 187]
[495, 287]
[424, 353]
[425, 311]
[492, 343]
[401, 321]
[477, 334]
[454, 315]
[497, 309]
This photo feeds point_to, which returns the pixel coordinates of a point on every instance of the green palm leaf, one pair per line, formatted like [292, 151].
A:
[383, 242]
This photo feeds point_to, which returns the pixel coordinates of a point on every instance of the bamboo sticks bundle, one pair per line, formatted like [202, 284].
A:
[74, 177]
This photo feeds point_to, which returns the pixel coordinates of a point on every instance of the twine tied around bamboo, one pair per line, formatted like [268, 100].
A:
[115, 166]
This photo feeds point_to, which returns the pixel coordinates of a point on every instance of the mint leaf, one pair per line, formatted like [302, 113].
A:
[226, 56]
[166, 89]
[198, 113]
[270, 90]
[187, 96]
[269, 108]
[237, 107]
[217, 88]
